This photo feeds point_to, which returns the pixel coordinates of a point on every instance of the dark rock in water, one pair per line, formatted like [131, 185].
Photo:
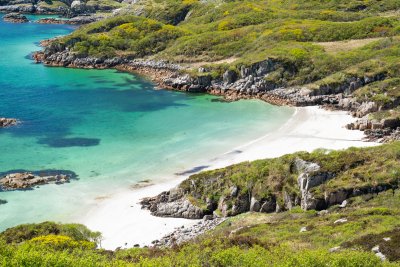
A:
[15, 17]
[51, 21]
[5, 122]
[3, 202]
[28, 180]
[69, 142]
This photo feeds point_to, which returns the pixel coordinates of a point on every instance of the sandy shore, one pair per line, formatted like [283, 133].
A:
[123, 223]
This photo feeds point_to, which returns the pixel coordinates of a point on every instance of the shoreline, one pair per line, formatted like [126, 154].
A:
[124, 224]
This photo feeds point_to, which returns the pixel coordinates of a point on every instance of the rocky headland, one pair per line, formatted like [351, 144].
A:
[6, 122]
[28, 180]
[213, 194]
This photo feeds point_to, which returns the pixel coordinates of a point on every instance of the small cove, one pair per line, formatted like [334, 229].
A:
[112, 129]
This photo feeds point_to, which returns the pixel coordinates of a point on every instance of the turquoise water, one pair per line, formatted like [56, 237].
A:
[112, 129]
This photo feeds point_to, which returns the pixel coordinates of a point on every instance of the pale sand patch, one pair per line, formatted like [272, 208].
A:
[121, 220]
[339, 46]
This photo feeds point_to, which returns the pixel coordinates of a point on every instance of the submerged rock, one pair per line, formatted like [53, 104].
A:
[2, 201]
[26, 180]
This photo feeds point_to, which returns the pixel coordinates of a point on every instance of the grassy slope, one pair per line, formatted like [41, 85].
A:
[250, 239]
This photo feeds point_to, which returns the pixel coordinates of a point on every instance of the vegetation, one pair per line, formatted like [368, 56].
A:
[250, 239]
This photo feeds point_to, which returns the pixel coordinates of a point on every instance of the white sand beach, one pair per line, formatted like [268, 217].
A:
[123, 223]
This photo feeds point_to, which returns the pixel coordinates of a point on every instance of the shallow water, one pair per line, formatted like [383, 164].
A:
[112, 129]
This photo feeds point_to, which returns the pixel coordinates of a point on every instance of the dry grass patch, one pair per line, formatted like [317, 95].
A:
[340, 46]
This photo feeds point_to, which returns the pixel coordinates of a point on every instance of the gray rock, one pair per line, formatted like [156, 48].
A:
[334, 249]
[268, 206]
[234, 191]
[344, 204]
[255, 205]
[25, 180]
[342, 220]
[229, 76]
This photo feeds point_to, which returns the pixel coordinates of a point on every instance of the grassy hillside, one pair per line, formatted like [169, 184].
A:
[318, 44]
[251, 239]
[339, 236]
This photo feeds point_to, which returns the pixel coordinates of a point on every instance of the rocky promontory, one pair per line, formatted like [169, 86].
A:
[15, 18]
[6, 122]
[27, 180]
[308, 181]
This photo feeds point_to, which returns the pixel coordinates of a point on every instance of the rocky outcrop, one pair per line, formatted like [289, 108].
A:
[172, 203]
[6, 122]
[189, 199]
[15, 18]
[184, 234]
[309, 177]
[23, 8]
[66, 8]
[27, 180]
[79, 20]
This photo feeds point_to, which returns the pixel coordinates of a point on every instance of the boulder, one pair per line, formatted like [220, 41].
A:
[172, 203]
